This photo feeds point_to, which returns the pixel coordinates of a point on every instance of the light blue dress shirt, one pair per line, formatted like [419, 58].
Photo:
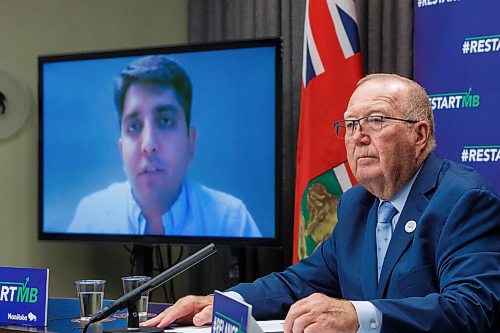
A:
[198, 211]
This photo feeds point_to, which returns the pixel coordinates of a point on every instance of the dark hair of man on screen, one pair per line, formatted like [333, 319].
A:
[159, 71]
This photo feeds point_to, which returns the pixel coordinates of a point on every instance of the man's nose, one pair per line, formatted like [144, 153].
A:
[360, 136]
[150, 143]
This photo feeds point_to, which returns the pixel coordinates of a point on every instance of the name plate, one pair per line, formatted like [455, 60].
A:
[24, 296]
[232, 316]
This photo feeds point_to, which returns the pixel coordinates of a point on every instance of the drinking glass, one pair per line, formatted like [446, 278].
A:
[132, 282]
[91, 296]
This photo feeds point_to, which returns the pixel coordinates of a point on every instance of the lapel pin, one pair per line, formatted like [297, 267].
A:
[410, 226]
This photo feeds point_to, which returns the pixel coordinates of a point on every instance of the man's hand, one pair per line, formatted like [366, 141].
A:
[190, 309]
[320, 313]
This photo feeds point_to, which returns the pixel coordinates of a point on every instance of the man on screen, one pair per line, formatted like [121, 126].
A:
[431, 265]
[157, 144]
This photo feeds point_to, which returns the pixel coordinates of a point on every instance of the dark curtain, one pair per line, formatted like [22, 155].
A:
[386, 36]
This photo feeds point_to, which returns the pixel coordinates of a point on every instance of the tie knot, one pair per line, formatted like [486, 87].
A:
[386, 212]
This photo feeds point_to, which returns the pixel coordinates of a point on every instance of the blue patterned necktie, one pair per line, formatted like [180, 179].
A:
[386, 212]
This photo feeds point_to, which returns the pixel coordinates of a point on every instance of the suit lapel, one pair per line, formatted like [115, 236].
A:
[413, 210]
[369, 255]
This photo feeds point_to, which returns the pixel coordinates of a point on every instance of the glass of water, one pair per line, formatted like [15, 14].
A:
[132, 282]
[91, 296]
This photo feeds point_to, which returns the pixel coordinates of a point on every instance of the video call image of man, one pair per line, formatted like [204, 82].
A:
[417, 243]
[153, 97]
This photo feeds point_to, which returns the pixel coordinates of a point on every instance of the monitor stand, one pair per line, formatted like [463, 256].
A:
[144, 259]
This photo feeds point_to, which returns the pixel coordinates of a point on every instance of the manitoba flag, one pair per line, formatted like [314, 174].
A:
[331, 68]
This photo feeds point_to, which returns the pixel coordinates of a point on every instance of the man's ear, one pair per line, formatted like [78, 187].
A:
[192, 142]
[120, 146]
[422, 129]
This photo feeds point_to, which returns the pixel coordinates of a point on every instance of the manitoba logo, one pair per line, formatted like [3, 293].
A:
[21, 316]
[18, 292]
[455, 100]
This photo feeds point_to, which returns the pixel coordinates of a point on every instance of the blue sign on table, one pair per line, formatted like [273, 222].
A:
[24, 296]
[232, 316]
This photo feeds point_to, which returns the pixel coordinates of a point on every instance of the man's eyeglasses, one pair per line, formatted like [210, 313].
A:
[346, 128]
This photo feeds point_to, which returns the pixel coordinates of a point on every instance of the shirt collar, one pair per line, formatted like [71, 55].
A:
[137, 221]
[399, 200]
[172, 219]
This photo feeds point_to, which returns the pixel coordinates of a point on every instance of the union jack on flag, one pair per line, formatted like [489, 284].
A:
[331, 68]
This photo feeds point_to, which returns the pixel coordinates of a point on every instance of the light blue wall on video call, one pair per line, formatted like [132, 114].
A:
[233, 111]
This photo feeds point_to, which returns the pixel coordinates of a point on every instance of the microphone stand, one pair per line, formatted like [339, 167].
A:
[128, 300]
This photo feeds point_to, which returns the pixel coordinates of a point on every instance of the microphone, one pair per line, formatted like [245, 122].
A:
[158, 280]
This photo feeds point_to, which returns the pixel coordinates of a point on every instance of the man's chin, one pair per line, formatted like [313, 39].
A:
[154, 195]
[366, 175]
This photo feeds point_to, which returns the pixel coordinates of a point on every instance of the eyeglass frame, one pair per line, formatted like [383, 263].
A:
[336, 125]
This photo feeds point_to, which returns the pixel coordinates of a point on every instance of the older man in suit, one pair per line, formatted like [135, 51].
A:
[417, 245]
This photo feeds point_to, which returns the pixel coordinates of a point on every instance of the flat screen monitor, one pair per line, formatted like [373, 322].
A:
[174, 144]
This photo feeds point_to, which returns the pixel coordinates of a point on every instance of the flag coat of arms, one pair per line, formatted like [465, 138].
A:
[331, 68]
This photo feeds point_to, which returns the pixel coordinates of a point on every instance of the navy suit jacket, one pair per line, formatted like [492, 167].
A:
[442, 277]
